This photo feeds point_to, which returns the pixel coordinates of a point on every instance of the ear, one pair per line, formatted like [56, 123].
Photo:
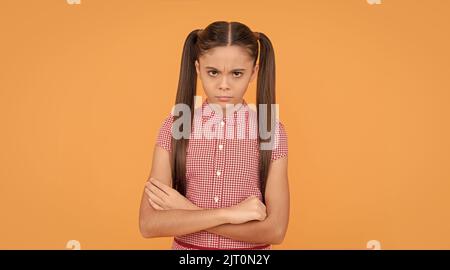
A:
[255, 72]
[197, 66]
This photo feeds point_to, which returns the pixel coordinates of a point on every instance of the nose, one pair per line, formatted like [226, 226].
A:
[224, 84]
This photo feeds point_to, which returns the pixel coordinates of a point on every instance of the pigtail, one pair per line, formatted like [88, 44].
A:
[187, 87]
[265, 94]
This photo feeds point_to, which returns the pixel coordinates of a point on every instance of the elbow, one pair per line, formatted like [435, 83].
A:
[145, 230]
[145, 234]
[278, 237]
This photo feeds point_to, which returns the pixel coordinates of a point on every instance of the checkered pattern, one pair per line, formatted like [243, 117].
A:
[221, 170]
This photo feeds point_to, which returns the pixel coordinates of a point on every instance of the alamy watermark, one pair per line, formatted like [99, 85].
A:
[237, 128]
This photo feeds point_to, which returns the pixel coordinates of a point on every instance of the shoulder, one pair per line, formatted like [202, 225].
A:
[281, 128]
[280, 132]
[280, 146]
[164, 138]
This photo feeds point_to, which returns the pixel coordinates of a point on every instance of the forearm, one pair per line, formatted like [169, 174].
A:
[179, 222]
[261, 232]
[255, 231]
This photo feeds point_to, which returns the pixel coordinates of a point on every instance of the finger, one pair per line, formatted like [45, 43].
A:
[155, 190]
[154, 205]
[153, 197]
[160, 185]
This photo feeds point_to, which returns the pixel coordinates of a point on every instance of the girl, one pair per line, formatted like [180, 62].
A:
[221, 187]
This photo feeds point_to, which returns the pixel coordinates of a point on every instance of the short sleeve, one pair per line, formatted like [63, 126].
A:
[164, 138]
[280, 148]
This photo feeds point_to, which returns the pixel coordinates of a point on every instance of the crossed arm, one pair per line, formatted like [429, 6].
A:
[185, 217]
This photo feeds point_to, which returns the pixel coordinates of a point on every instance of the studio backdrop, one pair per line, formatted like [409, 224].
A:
[363, 89]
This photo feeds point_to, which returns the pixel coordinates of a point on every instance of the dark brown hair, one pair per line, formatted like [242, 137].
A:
[222, 33]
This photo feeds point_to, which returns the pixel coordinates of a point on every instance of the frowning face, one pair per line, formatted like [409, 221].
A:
[225, 73]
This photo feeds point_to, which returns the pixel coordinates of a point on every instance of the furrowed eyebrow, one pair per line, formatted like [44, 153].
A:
[234, 70]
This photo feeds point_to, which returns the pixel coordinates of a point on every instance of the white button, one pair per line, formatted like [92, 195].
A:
[220, 147]
[222, 123]
[218, 173]
[216, 199]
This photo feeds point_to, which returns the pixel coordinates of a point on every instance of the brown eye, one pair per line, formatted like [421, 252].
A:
[239, 74]
[209, 72]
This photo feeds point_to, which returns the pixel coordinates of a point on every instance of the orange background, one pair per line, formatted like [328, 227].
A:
[363, 92]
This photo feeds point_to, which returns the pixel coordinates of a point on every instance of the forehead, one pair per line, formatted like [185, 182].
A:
[226, 57]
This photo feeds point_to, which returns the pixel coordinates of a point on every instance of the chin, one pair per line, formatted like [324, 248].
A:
[230, 101]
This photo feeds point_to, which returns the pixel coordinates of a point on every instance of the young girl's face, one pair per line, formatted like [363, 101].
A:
[225, 73]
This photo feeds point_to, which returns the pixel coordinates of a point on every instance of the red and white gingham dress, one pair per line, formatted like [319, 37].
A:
[222, 169]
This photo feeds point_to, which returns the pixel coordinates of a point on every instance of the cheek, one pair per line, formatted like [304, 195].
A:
[208, 85]
[242, 84]
[206, 79]
[241, 90]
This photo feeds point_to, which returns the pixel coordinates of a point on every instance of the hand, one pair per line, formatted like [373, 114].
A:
[163, 197]
[249, 209]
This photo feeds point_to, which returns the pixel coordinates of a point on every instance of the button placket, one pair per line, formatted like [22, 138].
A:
[217, 184]
[223, 127]
[220, 163]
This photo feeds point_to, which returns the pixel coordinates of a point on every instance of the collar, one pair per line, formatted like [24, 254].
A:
[208, 110]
